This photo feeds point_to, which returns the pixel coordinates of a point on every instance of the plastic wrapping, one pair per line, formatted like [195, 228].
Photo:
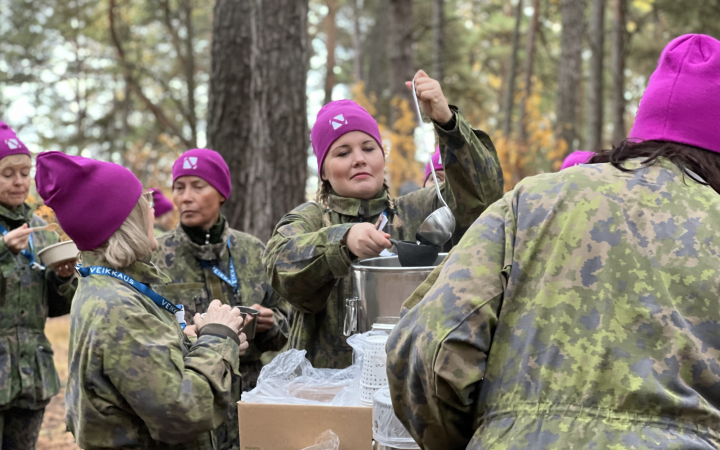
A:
[387, 428]
[291, 379]
[326, 441]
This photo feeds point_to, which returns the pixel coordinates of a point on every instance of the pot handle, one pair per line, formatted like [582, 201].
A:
[351, 316]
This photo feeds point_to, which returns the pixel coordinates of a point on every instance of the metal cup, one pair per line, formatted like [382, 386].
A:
[248, 327]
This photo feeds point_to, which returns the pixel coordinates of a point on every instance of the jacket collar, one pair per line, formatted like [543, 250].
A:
[146, 273]
[208, 252]
[356, 207]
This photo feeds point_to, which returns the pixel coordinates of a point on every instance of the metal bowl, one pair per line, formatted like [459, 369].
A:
[55, 254]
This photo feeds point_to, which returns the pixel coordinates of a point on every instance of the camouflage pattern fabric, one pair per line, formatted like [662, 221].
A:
[135, 379]
[27, 298]
[309, 263]
[196, 286]
[157, 231]
[580, 311]
[20, 428]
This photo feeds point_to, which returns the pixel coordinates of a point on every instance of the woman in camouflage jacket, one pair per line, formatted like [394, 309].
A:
[309, 255]
[581, 311]
[29, 295]
[135, 379]
[206, 260]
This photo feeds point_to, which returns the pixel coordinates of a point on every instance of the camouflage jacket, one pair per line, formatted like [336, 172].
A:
[196, 286]
[136, 381]
[309, 263]
[580, 311]
[28, 296]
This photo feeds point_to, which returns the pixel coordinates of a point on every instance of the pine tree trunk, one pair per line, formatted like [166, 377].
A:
[257, 109]
[377, 76]
[529, 63]
[357, 41]
[569, 70]
[509, 99]
[595, 90]
[618, 70]
[400, 50]
[438, 25]
[330, 43]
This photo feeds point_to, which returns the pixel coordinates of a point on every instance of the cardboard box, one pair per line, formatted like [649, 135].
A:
[294, 427]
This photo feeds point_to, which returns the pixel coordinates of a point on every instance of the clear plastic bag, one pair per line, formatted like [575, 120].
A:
[291, 379]
[326, 441]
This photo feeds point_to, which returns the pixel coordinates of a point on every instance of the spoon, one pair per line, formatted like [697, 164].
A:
[439, 226]
[411, 254]
[48, 227]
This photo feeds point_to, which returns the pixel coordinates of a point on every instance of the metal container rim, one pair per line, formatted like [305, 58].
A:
[360, 267]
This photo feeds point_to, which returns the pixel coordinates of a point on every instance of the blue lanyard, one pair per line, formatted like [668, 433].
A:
[30, 255]
[232, 279]
[158, 299]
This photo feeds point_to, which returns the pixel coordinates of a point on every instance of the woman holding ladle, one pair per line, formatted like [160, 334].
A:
[310, 252]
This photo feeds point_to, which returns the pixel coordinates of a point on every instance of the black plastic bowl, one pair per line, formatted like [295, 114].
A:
[412, 254]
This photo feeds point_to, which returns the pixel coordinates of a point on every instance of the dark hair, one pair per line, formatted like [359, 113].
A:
[704, 163]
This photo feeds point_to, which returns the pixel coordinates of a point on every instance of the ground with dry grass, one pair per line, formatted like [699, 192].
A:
[53, 435]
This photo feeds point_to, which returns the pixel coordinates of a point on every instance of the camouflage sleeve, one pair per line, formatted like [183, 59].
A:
[304, 259]
[473, 174]
[437, 353]
[60, 291]
[7, 259]
[177, 397]
[275, 338]
[423, 289]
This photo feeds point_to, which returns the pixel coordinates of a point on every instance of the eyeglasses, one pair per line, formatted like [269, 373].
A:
[149, 197]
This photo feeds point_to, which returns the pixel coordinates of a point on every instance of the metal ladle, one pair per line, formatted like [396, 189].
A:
[439, 226]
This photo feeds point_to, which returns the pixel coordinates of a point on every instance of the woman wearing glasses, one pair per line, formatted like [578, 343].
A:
[135, 379]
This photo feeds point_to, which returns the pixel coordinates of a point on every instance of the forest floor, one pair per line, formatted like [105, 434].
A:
[53, 435]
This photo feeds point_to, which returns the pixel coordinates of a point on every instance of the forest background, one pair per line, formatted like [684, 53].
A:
[138, 82]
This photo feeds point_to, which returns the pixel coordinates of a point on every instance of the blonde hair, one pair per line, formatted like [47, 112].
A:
[130, 242]
[13, 160]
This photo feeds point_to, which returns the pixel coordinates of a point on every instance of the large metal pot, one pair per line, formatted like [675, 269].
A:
[380, 286]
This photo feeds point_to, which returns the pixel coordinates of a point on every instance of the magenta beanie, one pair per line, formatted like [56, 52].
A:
[161, 203]
[336, 119]
[682, 101]
[91, 198]
[206, 164]
[436, 161]
[10, 144]
[575, 158]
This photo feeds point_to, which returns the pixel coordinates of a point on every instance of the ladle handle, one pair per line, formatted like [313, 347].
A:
[422, 127]
[351, 319]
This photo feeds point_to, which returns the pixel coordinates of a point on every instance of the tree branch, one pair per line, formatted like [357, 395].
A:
[134, 86]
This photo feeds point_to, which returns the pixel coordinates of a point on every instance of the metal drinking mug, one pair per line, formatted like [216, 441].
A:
[248, 327]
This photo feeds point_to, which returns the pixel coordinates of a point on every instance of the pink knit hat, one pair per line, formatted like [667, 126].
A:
[682, 101]
[205, 164]
[10, 144]
[575, 158]
[436, 161]
[161, 203]
[91, 199]
[336, 119]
